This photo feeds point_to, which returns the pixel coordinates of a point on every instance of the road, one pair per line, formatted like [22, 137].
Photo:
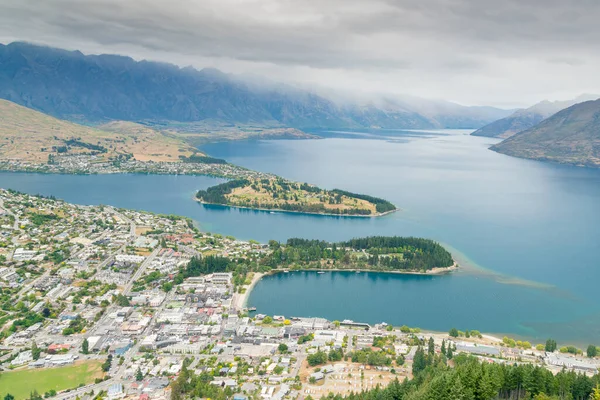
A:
[140, 271]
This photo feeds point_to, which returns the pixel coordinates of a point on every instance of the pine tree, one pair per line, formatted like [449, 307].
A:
[138, 375]
[457, 390]
[443, 349]
[35, 351]
[85, 346]
[595, 393]
[450, 355]
[419, 361]
[431, 347]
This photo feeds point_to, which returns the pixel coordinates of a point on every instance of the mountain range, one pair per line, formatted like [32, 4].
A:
[571, 136]
[100, 88]
[524, 119]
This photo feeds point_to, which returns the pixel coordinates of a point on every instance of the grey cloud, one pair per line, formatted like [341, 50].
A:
[435, 40]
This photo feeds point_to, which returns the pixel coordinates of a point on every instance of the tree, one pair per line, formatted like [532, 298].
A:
[85, 346]
[592, 351]
[453, 332]
[449, 354]
[139, 375]
[551, 345]
[595, 393]
[283, 348]
[443, 349]
[9, 397]
[35, 351]
[267, 320]
[431, 347]
[419, 361]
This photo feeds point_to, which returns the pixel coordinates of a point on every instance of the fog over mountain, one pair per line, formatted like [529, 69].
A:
[95, 88]
[528, 118]
[507, 54]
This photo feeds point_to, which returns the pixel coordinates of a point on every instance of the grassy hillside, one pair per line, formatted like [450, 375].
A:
[571, 136]
[32, 136]
[281, 194]
[528, 118]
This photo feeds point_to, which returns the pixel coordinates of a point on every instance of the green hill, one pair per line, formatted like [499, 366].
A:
[571, 136]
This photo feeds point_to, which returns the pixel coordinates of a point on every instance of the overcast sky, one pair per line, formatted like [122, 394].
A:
[481, 52]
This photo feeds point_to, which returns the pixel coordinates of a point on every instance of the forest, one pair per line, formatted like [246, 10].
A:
[381, 205]
[216, 194]
[195, 158]
[377, 252]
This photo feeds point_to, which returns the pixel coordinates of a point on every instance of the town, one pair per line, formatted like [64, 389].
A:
[86, 164]
[102, 302]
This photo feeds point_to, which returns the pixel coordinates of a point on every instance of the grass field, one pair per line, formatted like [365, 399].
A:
[21, 383]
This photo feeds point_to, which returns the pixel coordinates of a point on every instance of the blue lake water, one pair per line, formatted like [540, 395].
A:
[527, 233]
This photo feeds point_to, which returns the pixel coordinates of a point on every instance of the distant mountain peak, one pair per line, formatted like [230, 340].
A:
[571, 136]
[526, 118]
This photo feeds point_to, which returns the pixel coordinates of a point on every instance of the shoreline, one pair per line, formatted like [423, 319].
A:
[277, 210]
[241, 301]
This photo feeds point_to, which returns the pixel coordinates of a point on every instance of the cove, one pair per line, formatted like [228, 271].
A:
[526, 233]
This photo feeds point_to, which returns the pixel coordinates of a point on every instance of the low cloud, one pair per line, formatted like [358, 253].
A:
[474, 52]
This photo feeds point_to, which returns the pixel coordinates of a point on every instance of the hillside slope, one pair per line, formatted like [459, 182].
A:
[571, 136]
[527, 118]
[29, 135]
[99, 88]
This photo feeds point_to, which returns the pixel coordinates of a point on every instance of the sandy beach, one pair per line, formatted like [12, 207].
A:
[242, 298]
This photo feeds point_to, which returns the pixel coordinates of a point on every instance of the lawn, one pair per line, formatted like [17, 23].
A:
[21, 383]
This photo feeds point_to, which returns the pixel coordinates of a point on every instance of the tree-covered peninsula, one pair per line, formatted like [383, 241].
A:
[276, 193]
[378, 253]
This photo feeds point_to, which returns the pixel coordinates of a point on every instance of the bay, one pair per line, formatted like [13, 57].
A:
[526, 233]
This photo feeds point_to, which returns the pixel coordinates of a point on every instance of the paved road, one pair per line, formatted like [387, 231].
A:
[140, 271]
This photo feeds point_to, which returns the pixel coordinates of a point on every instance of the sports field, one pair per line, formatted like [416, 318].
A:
[21, 383]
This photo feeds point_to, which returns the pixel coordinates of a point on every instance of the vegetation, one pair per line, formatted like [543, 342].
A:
[571, 136]
[21, 384]
[471, 379]
[54, 137]
[201, 159]
[378, 252]
[281, 194]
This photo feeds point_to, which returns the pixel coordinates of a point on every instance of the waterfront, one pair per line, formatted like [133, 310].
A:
[535, 226]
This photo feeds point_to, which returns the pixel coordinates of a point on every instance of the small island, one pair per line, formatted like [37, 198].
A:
[376, 253]
[278, 194]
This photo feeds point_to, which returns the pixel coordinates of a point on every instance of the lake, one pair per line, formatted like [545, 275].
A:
[526, 233]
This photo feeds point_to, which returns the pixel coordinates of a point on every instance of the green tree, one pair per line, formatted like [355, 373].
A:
[431, 347]
[592, 351]
[419, 361]
[85, 346]
[551, 345]
[453, 332]
[457, 390]
[449, 355]
[443, 349]
[9, 397]
[35, 351]
[283, 348]
[139, 375]
[267, 320]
